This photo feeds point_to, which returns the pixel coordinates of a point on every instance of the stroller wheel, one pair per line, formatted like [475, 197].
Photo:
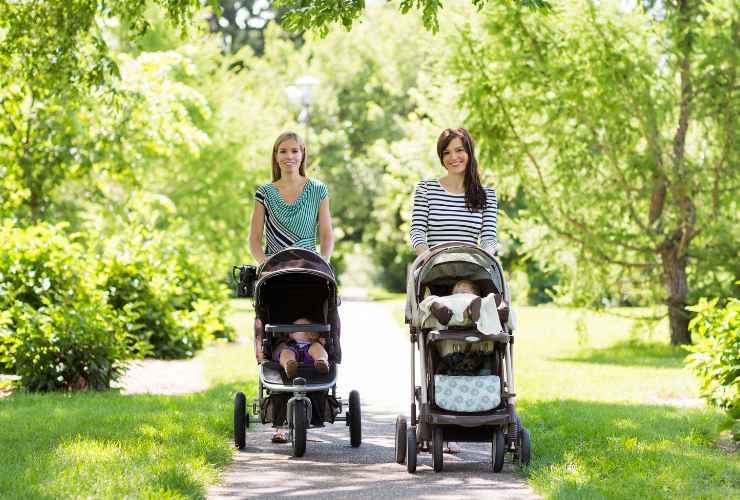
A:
[437, 444]
[411, 451]
[497, 449]
[300, 425]
[355, 419]
[241, 420]
[524, 444]
[400, 439]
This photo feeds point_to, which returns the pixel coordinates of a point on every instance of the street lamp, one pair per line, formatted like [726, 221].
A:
[301, 92]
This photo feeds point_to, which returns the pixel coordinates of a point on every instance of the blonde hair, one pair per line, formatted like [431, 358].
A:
[281, 139]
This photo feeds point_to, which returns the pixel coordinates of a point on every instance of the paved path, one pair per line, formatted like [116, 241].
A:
[157, 376]
[375, 362]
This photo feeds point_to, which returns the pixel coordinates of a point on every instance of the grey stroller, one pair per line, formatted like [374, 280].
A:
[451, 407]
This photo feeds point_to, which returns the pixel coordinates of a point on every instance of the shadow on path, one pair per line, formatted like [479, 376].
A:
[332, 469]
[375, 362]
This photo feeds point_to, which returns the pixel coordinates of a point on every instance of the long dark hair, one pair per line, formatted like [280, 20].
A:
[475, 196]
[281, 139]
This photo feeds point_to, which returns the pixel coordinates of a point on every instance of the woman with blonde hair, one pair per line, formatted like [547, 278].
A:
[291, 208]
[289, 211]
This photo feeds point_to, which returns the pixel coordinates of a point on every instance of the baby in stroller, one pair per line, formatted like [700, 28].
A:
[296, 334]
[307, 347]
[459, 320]
[466, 307]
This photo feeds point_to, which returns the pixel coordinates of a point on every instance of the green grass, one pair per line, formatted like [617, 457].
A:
[380, 294]
[107, 445]
[613, 416]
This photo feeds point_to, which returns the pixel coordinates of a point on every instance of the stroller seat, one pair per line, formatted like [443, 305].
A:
[273, 373]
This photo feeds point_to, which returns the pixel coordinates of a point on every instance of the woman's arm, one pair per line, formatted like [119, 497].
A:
[488, 232]
[326, 233]
[420, 249]
[419, 219]
[256, 228]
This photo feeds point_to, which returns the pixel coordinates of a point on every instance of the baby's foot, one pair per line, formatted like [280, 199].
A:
[474, 309]
[291, 368]
[321, 366]
[503, 313]
[441, 312]
[502, 309]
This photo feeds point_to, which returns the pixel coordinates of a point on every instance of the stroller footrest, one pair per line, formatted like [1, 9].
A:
[435, 418]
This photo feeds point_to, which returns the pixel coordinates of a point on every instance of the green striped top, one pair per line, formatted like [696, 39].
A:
[291, 224]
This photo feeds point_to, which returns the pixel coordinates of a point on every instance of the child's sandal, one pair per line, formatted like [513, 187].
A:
[321, 366]
[291, 368]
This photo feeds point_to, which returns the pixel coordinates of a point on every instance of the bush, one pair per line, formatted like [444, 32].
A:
[716, 352]
[164, 291]
[57, 330]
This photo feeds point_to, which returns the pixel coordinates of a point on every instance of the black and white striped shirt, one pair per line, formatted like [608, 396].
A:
[439, 216]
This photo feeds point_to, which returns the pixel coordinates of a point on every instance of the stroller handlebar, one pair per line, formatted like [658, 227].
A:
[292, 327]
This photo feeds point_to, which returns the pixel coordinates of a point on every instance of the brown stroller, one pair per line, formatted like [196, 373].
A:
[451, 407]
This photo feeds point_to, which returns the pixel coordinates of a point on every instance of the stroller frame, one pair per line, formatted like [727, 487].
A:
[430, 425]
[286, 270]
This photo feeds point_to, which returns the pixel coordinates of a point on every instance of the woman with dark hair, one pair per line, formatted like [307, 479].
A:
[456, 207]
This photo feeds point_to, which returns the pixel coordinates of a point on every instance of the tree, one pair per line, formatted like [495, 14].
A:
[305, 15]
[53, 56]
[618, 124]
[243, 22]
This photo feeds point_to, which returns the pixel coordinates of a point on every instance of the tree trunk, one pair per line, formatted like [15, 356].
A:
[674, 276]
[674, 248]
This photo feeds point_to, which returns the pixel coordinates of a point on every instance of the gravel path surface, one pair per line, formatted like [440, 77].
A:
[170, 377]
[376, 362]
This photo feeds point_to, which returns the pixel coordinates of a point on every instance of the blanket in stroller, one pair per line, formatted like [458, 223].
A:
[467, 393]
[487, 323]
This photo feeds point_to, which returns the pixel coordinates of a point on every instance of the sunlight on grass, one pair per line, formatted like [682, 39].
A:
[612, 411]
[601, 361]
[600, 400]
[110, 445]
[633, 352]
[233, 363]
[106, 445]
[604, 408]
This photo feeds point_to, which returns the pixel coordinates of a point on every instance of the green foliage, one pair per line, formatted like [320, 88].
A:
[627, 175]
[321, 14]
[716, 352]
[160, 284]
[63, 118]
[57, 330]
[109, 445]
[243, 22]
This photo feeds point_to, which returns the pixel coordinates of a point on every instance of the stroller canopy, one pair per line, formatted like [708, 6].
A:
[296, 259]
[294, 283]
[445, 264]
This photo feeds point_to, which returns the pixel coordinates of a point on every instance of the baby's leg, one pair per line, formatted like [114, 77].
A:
[317, 351]
[287, 359]
[320, 357]
[441, 312]
[474, 309]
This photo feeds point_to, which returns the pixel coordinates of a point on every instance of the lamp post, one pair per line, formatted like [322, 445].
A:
[301, 92]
